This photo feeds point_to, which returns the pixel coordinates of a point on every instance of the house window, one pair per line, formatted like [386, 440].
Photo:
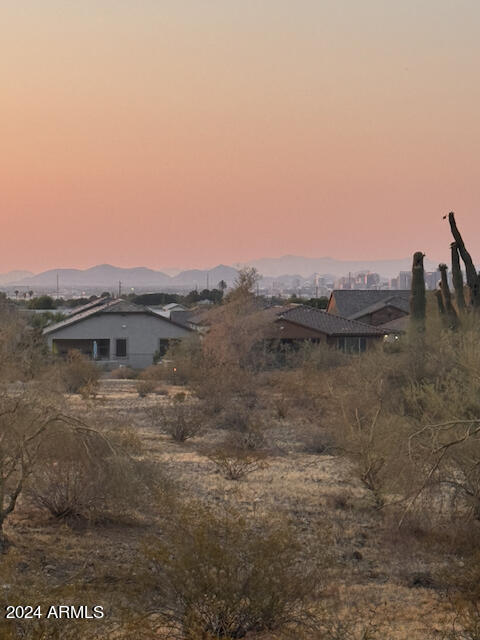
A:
[350, 344]
[121, 348]
[101, 349]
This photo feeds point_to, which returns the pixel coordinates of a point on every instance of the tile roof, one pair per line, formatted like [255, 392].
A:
[399, 325]
[352, 302]
[185, 317]
[327, 323]
[394, 301]
[117, 305]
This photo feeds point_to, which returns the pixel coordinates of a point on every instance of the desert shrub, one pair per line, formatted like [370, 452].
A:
[125, 439]
[281, 405]
[317, 440]
[181, 420]
[153, 372]
[299, 390]
[84, 476]
[78, 373]
[235, 462]
[220, 576]
[339, 620]
[252, 438]
[123, 373]
[232, 415]
[23, 584]
[144, 387]
[160, 391]
[463, 588]
[27, 416]
[316, 357]
[69, 489]
[23, 352]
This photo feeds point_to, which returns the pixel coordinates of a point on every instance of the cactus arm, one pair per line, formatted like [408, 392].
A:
[472, 276]
[457, 278]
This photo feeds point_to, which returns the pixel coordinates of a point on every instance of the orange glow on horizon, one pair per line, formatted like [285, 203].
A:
[188, 134]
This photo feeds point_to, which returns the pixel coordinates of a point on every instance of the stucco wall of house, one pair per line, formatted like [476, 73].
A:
[142, 331]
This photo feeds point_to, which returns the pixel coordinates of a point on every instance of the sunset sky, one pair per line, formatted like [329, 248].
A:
[185, 133]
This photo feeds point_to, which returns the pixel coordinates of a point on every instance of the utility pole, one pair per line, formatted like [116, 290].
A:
[119, 288]
[208, 289]
[58, 289]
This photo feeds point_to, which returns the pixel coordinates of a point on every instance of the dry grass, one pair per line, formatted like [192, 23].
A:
[318, 493]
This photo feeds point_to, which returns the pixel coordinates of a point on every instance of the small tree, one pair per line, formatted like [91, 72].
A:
[25, 418]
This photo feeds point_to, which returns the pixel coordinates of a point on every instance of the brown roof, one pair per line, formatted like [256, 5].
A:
[354, 303]
[327, 323]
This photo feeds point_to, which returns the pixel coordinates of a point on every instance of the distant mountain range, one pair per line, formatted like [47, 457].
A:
[14, 276]
[107, 276]
[285, 269]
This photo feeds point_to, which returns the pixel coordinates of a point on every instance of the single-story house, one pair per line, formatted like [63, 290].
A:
[303, 323]
[375, 307]
[115, 332]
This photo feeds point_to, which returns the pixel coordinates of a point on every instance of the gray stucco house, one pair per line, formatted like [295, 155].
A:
[115, 332]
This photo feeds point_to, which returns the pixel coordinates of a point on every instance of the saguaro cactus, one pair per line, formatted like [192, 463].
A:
[447, 297]
[441, 306]
[418, 302]
[473, 280]
[457, 278]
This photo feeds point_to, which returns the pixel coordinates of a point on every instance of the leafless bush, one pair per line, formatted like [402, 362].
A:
[144, 387]
[316, 439]
[344, 621]
[23, 353]
[79, 374]
[233, 415]
[153, 372]
[235, 462]
[27, 415]
[220, 576]
[281, 405]
[250, 439]
[182, 420]
[84, 476]
[123, 373]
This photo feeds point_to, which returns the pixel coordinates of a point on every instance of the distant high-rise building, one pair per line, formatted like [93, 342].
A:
[404, 280]
[432, 278]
